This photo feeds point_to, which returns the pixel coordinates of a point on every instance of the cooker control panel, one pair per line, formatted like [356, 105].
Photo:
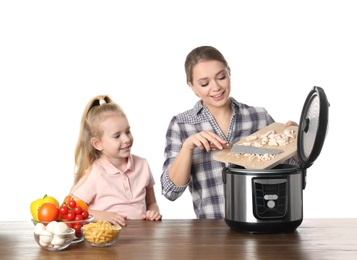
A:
[270, 198]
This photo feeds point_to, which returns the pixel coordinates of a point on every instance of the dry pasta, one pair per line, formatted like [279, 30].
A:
[100, 232]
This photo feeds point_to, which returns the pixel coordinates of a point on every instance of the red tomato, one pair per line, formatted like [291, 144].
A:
[82, 204]
[78, 217]
[63, 210]
[78, 210]
[71, 215]
[77, 227]
[72, 204]
[85, 214]
[48, 212]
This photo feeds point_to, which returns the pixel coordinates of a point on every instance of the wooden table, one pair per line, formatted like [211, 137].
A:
[315, 239]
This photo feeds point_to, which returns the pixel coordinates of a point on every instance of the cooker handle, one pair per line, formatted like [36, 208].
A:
[303, 178]
[224, 172]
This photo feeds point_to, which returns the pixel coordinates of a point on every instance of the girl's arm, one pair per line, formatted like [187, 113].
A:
[152, 209]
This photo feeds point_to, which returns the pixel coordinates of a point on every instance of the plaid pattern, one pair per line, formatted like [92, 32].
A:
[205, 183]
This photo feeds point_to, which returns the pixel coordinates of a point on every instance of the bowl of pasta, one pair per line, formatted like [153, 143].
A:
[101, 233]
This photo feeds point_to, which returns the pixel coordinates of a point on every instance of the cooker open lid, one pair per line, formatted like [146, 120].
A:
[313, 127]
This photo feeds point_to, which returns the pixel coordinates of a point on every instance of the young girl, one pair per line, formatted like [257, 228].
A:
[115, 184]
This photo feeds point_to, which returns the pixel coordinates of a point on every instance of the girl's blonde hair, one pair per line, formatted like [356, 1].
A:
[97, 110]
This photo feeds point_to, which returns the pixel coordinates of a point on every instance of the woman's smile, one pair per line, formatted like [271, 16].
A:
[219, 96]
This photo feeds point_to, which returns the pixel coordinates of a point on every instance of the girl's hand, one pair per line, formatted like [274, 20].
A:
[205, 140]
[114, 218]
[152, 215]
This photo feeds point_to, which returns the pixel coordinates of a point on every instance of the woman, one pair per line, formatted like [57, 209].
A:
[215, 120]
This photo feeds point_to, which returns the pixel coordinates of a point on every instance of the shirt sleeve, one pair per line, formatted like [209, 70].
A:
[173, 147]
[151, 176]
[85, 188]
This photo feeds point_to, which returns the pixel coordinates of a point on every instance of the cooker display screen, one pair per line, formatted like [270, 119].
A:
[270, 187]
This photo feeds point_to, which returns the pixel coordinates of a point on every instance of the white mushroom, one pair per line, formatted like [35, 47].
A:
[251, 138]
[268, 133]
[60, 228]
[289, 132]
[39, 228]
[51, 225]
[282, 141]
[45, 237]
[257, 144]
[272, 142]
[266, 157]
[58, 240]
[265, 140]
[271, 135]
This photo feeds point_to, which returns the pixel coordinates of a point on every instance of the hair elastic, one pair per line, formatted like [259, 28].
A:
[102, 101]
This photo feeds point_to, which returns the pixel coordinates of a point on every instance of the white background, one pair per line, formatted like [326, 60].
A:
[56, 55]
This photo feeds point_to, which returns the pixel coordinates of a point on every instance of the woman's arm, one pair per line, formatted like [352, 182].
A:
[180, 169]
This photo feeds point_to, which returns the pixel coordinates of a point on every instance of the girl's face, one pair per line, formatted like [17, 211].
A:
[116, 141]
[211, 82]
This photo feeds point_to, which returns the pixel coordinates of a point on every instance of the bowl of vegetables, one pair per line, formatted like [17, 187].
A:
[74, 213]
[55, 236]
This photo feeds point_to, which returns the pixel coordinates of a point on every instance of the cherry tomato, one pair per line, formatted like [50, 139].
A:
[71, 215]
[78, 217]
[48, 212]
[72, 204]
[78, 210]
[82, 204]
[78, 234]
[77, 227]
[85, 214]
[63, 210]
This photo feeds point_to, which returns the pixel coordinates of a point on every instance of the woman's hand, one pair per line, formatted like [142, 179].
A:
[205, 140]
[114, 218]
[152, 215]
[291, 123]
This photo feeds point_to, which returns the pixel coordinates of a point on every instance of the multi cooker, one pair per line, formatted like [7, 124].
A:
[271, 200]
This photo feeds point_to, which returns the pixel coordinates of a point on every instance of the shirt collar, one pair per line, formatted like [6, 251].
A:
[199, 107]
[111, 169]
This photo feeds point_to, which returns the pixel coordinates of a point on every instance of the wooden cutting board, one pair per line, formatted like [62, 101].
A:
[290, 149]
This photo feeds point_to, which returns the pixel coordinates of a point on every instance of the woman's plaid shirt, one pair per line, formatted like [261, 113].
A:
[205, 183]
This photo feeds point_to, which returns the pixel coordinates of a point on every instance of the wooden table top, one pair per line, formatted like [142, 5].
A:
[314, 239]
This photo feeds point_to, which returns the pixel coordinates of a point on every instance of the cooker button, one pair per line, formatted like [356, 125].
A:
[271, 204]
[270, 197]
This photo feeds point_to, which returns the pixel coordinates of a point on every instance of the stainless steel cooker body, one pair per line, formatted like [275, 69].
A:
[271, 200]
[263, 201]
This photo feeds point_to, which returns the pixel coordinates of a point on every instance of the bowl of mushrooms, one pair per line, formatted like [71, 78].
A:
[55, 236]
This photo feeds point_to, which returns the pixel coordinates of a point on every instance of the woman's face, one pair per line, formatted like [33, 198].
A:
[211, 82]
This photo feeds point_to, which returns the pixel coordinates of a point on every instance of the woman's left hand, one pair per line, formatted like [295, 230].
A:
[291, 123]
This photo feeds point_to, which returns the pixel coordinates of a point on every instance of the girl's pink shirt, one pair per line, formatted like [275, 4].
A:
[108, 189]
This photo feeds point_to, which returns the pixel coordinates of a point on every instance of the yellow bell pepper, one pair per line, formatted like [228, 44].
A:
[36, 204]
